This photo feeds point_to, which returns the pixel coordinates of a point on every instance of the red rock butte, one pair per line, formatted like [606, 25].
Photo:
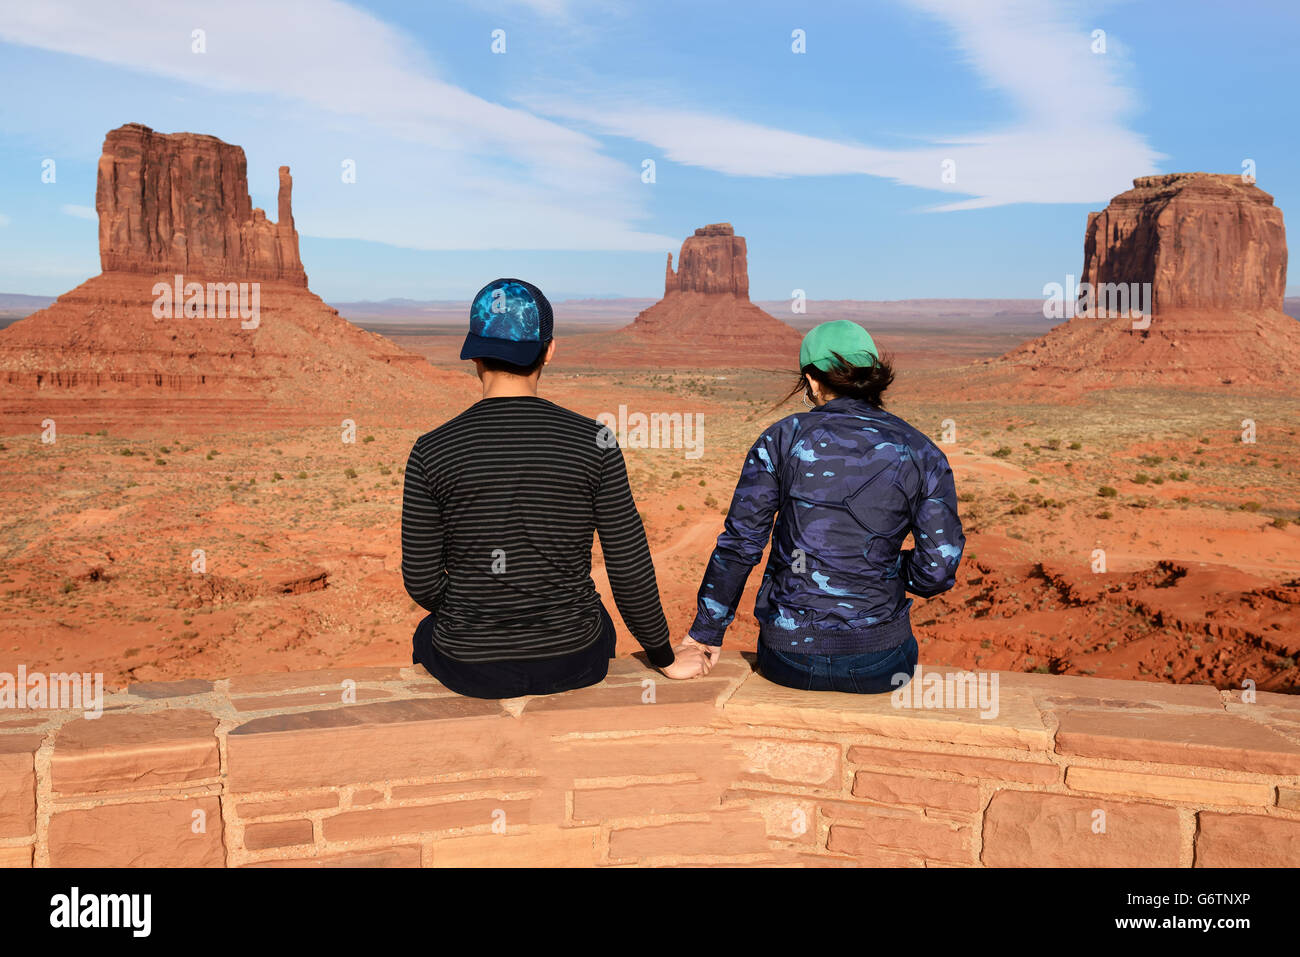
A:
[177, 205]
[1213, 249]
[706, 304]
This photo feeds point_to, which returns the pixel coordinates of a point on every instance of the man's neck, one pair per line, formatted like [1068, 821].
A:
[503, 385]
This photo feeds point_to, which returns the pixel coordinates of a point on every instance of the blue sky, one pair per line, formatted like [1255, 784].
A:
[473, 164]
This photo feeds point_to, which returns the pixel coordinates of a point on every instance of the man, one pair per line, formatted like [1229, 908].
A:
[498, 512]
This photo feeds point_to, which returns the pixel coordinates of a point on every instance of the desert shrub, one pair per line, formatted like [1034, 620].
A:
[1054, 444]
[1250, 506]
[350, 472]
[1141, 478]
[1104, 514]
[1075, 446]
[1003, 452]
[1108, 491]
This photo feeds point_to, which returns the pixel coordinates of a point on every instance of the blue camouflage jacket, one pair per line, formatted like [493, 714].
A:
[846, 482]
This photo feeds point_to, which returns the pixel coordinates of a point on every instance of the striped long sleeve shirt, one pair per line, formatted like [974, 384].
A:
[499, 508]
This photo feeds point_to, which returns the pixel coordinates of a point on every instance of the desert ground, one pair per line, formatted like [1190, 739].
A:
[298, 531]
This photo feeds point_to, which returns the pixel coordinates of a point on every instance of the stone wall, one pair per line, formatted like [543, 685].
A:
[384, 766]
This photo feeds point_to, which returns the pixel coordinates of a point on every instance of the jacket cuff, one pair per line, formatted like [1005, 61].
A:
[707, 634]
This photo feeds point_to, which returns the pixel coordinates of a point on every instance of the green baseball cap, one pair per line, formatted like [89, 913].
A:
[842, 336]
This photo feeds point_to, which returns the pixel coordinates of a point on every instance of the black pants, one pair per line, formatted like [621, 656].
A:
[510, 679]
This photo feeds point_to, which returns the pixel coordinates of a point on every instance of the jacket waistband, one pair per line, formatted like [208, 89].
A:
[881, 636]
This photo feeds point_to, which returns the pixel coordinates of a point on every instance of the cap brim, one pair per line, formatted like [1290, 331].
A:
[507, 350]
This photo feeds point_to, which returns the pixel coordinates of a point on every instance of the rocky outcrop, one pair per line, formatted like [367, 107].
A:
[712, 261]
[238, 330]
[179, 203]
[1203, 241]
[706, 304]
[1213, 250]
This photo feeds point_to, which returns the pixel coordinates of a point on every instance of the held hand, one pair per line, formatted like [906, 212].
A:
[690, 660]
[713, 651]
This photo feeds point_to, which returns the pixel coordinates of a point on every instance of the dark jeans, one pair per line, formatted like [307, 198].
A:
[511, 679]
[871, 673]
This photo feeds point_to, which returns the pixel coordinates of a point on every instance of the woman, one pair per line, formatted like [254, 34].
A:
[846, 483]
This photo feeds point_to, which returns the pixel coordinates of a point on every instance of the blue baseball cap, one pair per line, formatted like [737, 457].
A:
[509, 320]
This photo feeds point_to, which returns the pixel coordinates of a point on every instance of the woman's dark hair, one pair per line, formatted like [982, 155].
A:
[865, 383]
[500, 365]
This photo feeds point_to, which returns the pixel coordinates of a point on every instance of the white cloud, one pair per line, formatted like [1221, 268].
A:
[1070, 144]
[81, 212]
[530, 182]
[550, 9]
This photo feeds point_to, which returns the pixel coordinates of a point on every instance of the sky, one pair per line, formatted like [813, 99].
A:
[879, 149]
